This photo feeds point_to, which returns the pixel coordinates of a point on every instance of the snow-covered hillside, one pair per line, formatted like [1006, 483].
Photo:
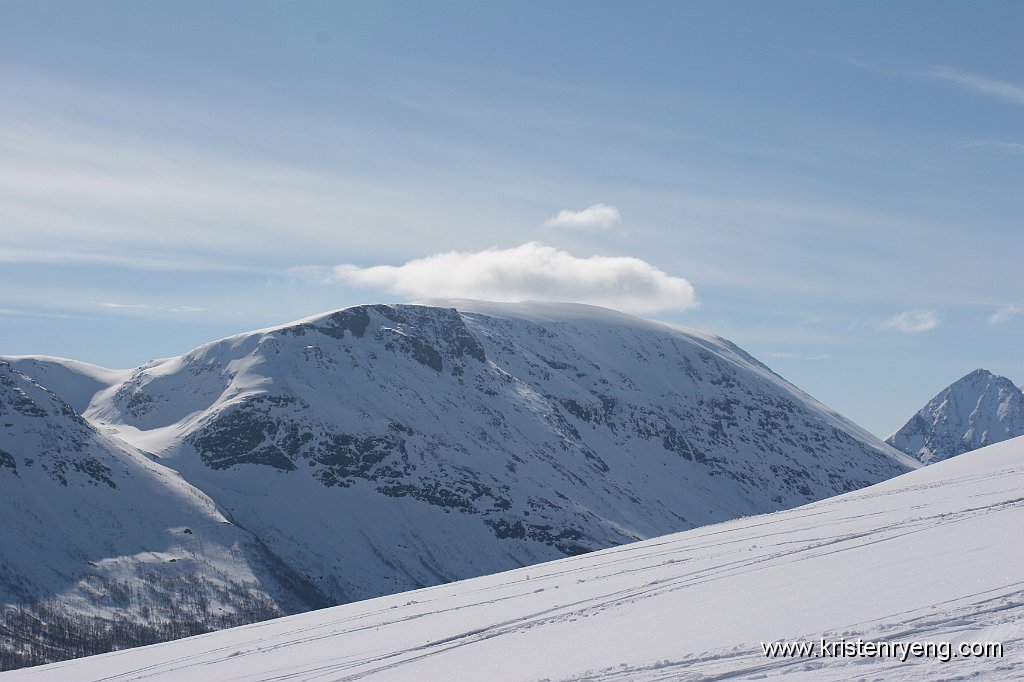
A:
[929, 557]
[383, 448]
[75, 382]
[93, 528]
[979, 409]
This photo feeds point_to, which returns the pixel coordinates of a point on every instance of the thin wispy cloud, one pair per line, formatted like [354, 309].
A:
[130, 262]
[787, 355]
[993, 87]
[12, 312]
[149, 307]
[532, 271]
[144, 198]
[911, 322]
[1004, 314]
[596, 217]
[1016, 148]
[84, 188]
[984, 85]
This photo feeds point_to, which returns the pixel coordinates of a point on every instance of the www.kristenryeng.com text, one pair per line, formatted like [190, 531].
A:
[860, 648]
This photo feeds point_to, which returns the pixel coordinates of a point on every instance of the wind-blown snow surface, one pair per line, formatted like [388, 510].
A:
[383, 448]
[931, 556]
[976, 410]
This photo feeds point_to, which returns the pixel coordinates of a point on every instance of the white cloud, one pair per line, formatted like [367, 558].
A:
[532, 271]
[596, 217]
[1005, 313]
[982, 84]
[911, 322]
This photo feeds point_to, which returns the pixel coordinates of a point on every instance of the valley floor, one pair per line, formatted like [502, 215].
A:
[932, 556]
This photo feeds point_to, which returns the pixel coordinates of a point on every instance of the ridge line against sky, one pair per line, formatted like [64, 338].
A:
[838, 187]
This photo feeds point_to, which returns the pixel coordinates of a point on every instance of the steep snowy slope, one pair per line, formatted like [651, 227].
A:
[92, 528]
[932, 557]
[979, 409]
[382, 448]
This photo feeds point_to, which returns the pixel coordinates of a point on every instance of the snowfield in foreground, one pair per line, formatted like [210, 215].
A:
[931, 556]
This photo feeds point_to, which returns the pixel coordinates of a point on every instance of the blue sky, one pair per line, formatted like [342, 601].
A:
[836, 187]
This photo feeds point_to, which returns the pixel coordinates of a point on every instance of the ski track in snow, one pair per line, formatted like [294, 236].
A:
[933, 555]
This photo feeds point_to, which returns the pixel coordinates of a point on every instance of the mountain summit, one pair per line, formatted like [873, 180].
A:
[979, 409]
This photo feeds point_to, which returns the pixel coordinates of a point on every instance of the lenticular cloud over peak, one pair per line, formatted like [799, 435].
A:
[532, 271]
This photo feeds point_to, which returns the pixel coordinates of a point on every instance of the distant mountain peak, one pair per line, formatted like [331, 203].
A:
[979, 409]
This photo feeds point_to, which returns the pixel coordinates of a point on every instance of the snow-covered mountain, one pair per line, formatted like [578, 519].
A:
[979, 409]
[93, 528]
[432, 444]
[382, 448]
[929, 559]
